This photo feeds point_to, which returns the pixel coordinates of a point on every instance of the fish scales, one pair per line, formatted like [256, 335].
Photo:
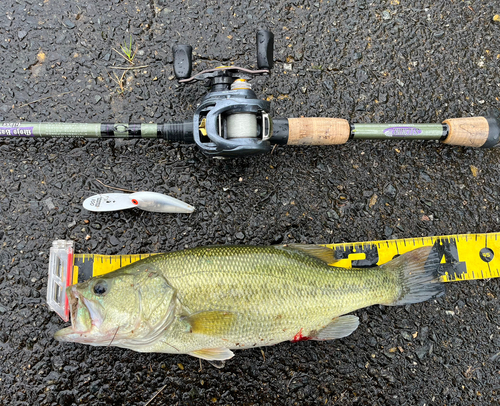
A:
[274, 293]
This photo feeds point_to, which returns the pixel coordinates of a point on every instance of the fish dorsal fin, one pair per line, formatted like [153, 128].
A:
[210, 323]
[213, 354]
[337, 328]
[324, 254]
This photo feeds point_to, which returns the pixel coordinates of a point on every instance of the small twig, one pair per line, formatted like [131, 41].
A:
[123, 56]
[43, 98]
[128, 68]
[116, 188]
[119, 81]
[157, 393]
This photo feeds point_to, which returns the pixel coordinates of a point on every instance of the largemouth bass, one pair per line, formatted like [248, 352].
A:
[208, 301]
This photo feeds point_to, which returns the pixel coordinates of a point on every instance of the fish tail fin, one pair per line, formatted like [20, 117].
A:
[417, 276]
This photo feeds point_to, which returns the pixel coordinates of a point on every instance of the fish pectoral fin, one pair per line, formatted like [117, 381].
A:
[324, 254]
[338, 328]
[210, 323]
[213, 354]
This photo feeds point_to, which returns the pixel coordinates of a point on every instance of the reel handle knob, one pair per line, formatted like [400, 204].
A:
[265, 49]
[183, 61]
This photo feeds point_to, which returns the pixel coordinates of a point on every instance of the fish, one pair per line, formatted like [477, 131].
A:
[210, 300]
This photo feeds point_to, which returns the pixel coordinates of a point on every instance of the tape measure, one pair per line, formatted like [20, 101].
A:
[463, 257]
[86, 266]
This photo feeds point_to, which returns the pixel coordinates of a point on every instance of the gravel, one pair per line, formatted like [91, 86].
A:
[364, 61]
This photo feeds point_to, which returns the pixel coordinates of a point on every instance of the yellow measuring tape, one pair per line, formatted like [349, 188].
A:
[463, 256]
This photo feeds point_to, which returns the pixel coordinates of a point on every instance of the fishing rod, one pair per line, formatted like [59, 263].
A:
[231, 120]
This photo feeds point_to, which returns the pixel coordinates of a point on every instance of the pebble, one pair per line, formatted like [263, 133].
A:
[390, 190]
[422, 351]
[425, 177]
[388, 231]
[48, 202]
[69, 24]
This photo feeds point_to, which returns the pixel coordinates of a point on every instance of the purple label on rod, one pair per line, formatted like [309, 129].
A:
[15, 130]
[402, 131]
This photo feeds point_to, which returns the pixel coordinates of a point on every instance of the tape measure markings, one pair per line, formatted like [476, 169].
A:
[462, 256]
[458, 254]
[90, 265]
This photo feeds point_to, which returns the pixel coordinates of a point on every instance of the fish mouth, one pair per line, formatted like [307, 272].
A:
[85, 319]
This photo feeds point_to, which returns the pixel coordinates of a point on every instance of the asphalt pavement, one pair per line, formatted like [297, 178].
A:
[366, 61]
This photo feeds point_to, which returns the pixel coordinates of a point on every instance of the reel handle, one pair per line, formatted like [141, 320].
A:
[265, 49]
[183, 61]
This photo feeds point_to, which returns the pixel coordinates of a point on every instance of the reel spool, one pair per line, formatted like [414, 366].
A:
[242, 125]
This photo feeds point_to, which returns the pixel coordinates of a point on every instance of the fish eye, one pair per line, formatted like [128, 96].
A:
[101, 287]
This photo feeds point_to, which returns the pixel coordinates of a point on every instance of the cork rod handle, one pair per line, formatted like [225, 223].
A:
[318, 131]
[475, 132]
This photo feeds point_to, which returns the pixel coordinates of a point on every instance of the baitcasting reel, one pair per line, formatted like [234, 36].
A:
[230, 120]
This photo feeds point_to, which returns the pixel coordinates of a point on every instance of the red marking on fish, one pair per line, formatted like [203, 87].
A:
[300, 337]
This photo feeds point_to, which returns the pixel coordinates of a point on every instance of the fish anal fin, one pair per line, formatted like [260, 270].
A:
[324, 254]
[210, 323]
[213, 355]
[337, 328]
